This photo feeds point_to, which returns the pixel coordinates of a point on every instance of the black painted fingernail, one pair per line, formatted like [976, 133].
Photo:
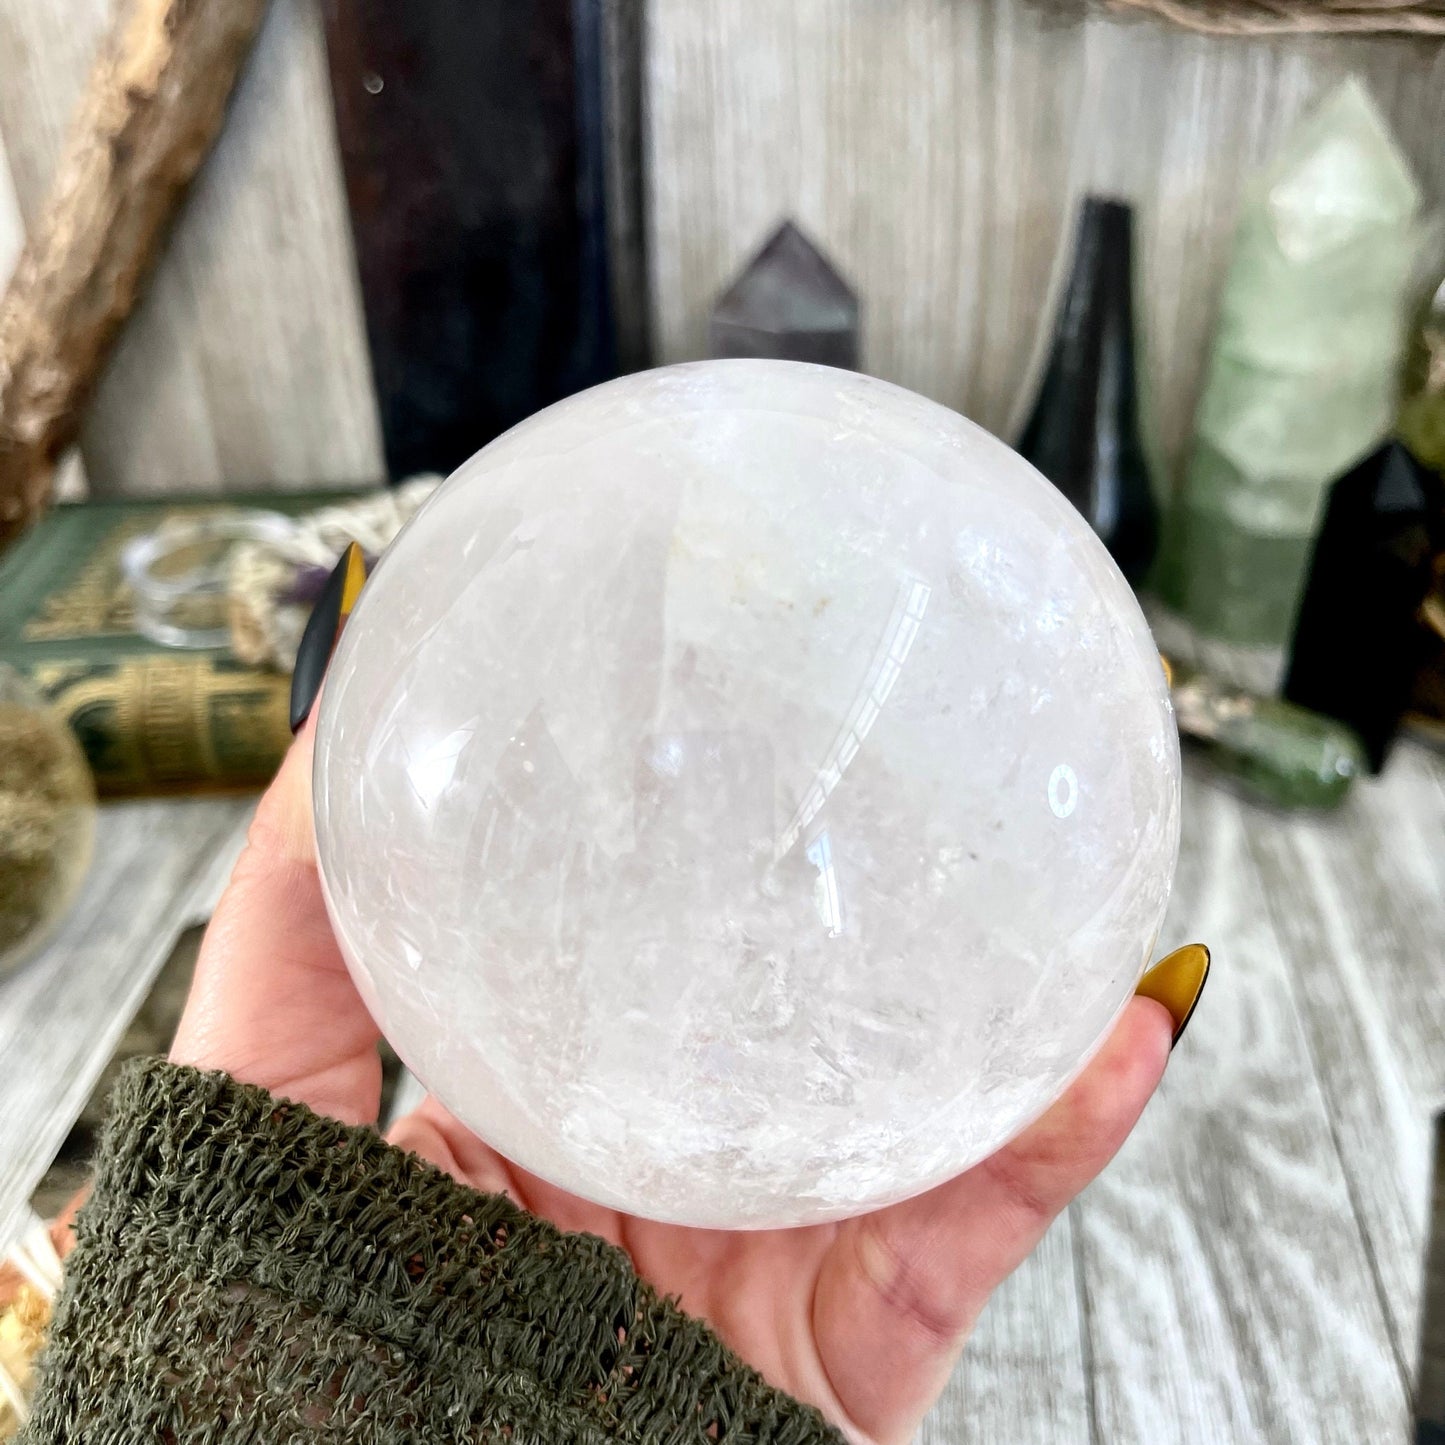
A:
[323, 627]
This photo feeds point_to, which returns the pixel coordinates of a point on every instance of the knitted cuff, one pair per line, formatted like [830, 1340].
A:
[248, 1270]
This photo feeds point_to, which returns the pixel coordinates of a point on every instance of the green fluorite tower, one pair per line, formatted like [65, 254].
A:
[1301, 383]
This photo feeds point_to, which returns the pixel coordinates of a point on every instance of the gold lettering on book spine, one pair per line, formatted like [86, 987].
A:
[160, 722]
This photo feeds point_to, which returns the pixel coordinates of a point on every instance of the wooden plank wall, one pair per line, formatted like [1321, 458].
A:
[935, 147]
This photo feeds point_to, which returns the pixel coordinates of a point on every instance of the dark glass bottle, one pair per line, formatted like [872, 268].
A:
[1083, 433]
[1357, 642]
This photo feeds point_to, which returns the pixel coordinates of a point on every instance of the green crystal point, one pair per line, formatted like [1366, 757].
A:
[1303, 373]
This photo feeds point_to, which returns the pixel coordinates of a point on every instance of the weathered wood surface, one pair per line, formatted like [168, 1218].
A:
[246, 364]
[1249, 1268]
[937, 150]
[159, 867]
[1358, 909]
[1225, 1235]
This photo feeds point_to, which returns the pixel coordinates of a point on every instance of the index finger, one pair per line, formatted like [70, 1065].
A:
[272, 1002]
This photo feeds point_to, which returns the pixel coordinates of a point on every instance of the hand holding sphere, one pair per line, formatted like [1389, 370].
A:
[862, 1315]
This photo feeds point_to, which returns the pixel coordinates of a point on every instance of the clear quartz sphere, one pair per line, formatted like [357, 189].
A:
[747, 793]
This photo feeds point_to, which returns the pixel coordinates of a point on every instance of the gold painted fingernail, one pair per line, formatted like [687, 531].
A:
[1177, 982]
[323, 627]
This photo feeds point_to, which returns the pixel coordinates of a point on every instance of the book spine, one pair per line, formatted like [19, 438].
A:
[169, 723]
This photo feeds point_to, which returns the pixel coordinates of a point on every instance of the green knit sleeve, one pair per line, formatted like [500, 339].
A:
[247, 1270]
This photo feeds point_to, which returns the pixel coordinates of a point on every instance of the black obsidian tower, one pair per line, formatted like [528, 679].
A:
[1357, 641]
[1083, 433]
[474, 144]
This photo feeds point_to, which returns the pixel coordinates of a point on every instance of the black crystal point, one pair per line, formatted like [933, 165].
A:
[471, 140]
[1083, 433]
[1357, 642]
[788, 304]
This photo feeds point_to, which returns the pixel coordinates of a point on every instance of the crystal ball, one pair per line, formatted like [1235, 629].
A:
[746, 794]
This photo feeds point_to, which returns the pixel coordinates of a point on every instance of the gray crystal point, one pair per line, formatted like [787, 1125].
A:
[789, 304]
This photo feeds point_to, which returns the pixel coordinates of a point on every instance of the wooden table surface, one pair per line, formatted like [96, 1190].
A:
[1248, 1270]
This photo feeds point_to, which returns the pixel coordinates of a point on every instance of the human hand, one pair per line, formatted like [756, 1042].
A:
[863, 1318]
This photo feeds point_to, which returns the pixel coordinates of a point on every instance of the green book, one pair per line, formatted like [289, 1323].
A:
[151, 718]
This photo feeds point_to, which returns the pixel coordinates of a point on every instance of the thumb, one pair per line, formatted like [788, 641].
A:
[272, 1002]
[900, 1289]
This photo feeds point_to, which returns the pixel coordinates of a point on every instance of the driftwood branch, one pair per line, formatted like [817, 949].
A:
[1297, 17]
[155, 102]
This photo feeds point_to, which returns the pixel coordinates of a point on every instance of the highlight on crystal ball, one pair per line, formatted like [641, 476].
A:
[746, 794]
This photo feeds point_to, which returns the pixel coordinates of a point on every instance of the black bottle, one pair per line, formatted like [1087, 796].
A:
[1083, 434]
[1357, 643]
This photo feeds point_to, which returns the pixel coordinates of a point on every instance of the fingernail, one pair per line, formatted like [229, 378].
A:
[323, 627]
[1177, 982]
